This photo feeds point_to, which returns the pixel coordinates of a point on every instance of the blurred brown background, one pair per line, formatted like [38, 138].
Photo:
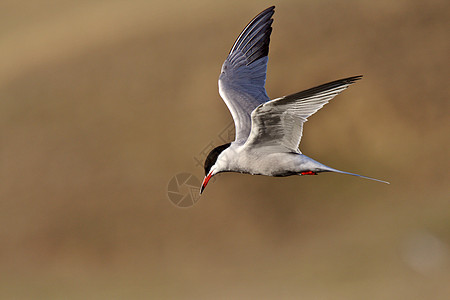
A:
[103, 102]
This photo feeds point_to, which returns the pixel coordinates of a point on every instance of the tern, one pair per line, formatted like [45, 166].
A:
[267, 132]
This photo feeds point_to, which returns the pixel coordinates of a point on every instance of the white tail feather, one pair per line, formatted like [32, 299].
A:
[357, 175]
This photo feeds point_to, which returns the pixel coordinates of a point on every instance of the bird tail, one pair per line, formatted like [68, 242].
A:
[328, 169]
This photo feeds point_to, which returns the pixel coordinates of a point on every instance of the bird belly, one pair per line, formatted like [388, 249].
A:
[273, 164]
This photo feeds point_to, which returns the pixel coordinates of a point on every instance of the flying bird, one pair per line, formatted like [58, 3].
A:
[268, 132]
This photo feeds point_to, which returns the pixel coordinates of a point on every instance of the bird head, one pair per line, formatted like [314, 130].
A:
[212, 166]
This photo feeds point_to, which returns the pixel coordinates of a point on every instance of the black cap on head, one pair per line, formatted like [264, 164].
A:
[212, 157]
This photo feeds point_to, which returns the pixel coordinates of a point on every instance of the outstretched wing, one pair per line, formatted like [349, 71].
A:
[243, 75]
[279, 123]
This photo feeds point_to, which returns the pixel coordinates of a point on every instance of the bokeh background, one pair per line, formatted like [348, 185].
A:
[103, 102]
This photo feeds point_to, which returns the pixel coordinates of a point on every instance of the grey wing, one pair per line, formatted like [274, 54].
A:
[243, 74]
[279, 123]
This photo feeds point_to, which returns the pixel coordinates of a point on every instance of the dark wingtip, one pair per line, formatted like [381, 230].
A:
[353, 79]
[269, 9]
[323, 87]
[260, 43]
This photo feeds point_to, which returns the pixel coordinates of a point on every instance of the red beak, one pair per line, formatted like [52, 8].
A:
[205, 182]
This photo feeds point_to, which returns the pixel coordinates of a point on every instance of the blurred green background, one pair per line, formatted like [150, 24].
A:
[103, 102]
